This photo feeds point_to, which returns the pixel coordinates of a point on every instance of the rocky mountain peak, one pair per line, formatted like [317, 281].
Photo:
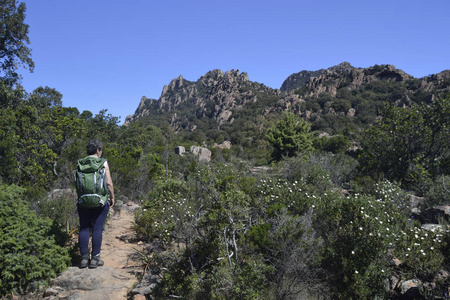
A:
[342, 67]
[215, 94]
[219, 95]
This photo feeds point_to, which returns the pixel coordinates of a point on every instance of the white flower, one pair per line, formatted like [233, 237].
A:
[356, 272]
[353, 252]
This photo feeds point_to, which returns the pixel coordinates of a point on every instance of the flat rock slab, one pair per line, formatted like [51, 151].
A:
[100, 283]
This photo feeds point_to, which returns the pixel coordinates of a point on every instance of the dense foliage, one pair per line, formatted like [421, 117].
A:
[311, 208]
[230, 232]
[289, 136]
[29, 253]
[228, 235]
[14, 51]
[410, 146]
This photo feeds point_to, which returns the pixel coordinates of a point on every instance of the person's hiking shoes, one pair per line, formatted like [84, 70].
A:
[84, 261]
[96, 262]
[93, 263]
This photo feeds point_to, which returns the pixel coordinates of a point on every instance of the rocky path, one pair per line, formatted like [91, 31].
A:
[121, 270]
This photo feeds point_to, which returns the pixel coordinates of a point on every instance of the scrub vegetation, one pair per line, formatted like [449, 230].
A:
[324, 219]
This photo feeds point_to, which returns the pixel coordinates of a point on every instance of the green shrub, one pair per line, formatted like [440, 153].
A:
[438, 191]
[244, 236]
[28, 251]
[363, 234]
[165, 206]
[292, 249]
[334, 144]
[62, 210]
[356, 234]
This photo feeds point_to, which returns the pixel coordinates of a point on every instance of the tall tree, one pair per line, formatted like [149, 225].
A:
[44, 97]
[289, 136]
[14, 41]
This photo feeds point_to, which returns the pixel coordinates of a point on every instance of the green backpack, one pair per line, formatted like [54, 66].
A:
[90, 181]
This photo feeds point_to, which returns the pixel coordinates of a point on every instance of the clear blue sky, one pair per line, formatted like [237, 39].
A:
[107, 54]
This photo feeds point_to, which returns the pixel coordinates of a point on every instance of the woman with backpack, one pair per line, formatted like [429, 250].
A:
[95, 196]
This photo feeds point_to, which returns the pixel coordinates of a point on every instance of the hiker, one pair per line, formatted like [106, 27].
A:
[93, 206]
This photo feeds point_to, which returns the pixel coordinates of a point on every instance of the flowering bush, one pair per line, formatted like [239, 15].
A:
[160, 216]
[246, 237]
[364, 234]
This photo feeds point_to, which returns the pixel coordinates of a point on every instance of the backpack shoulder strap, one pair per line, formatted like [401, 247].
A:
[102, 163]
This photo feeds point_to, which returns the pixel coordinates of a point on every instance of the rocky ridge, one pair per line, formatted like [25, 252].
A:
[215, 95]
[220, 95]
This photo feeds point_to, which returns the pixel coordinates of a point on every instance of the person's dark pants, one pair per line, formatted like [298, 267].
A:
[91, 219]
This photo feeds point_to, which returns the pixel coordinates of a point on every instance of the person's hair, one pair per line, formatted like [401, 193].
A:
[93, 145]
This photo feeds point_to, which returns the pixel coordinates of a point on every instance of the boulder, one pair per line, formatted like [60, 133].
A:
[351, 112]
[433, 227]
[223, 116]
[203, 154]
[432, 214]
[410, 288]
[415, 201]
[445, 210]
[224, 145]
[148, 283]
[180, 150]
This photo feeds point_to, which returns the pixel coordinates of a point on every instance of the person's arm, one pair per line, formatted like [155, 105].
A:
[109, 184]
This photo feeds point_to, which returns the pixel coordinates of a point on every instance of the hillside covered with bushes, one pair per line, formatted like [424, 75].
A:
[316, 198]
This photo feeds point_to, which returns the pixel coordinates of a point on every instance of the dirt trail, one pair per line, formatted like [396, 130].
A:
[119, 240]
[120, 273]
